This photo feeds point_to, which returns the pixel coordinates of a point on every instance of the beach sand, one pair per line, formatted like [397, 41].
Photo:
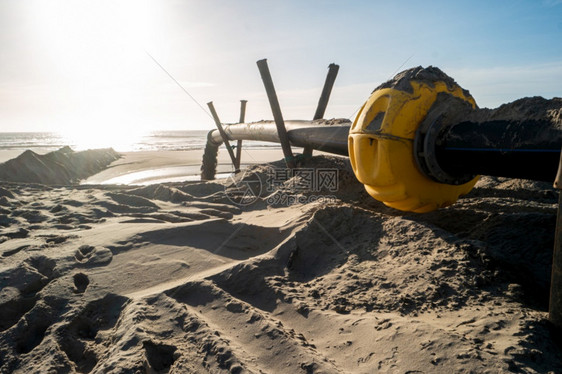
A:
[198, 277]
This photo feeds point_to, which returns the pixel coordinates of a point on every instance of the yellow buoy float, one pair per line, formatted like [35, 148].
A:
[381, 142]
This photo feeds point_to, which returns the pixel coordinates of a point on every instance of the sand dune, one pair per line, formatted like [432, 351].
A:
[178, 278]
[59, 167]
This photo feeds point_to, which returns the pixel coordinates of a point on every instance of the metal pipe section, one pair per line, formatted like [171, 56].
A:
[314, 134]
[525, 149]
[521, 139]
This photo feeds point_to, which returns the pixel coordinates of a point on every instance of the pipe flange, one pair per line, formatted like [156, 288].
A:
[426, 157]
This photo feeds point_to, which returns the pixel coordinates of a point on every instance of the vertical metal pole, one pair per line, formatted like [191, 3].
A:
[223, 135]
[323, 101]
[242, 111]
[239, 144]
[277, 115]
[326, 91]
[555, 305]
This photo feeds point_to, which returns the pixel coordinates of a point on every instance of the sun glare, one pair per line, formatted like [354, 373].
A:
[119, 140]
[95, 53]
[89, 39]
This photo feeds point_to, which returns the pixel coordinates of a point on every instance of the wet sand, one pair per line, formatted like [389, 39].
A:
[148, 167]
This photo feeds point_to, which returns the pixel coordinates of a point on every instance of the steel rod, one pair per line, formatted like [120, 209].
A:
[223, 135]
[276, 110]
[242, 111]
[326, 91]
[239, 142]
[323, 100]
[555, 304]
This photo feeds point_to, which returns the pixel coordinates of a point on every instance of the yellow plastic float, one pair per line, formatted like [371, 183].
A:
[382, 153]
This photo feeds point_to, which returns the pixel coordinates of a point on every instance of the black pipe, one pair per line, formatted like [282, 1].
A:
[521, 139]
[514, 149]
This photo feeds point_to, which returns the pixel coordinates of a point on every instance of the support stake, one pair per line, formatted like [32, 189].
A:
[326, 91]
[277, 115]
[239, 143]
[324, 97]
[223, 135]
[242, 111]
[555, 304]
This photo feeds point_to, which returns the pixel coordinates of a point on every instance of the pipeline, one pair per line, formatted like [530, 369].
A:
[420, 142]
[322, 135]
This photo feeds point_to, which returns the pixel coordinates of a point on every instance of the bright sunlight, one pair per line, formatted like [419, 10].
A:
[95, 52]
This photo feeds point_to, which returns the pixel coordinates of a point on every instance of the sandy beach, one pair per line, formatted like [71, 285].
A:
[149, 167]
[200, 277]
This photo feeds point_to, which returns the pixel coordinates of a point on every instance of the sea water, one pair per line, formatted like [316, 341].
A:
[13, 144]
[42, 142]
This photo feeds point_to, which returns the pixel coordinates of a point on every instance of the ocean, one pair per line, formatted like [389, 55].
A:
[42, 142]
[13, 144]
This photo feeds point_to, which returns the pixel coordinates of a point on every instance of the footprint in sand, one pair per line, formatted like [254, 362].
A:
[79, 339]
[81, 282]
[159, 356]
[93, 256]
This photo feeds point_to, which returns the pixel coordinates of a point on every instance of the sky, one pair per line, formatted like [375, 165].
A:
[85, 66]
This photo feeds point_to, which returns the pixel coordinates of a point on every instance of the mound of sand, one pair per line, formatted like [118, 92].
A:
[61, 167]
[179, 278]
